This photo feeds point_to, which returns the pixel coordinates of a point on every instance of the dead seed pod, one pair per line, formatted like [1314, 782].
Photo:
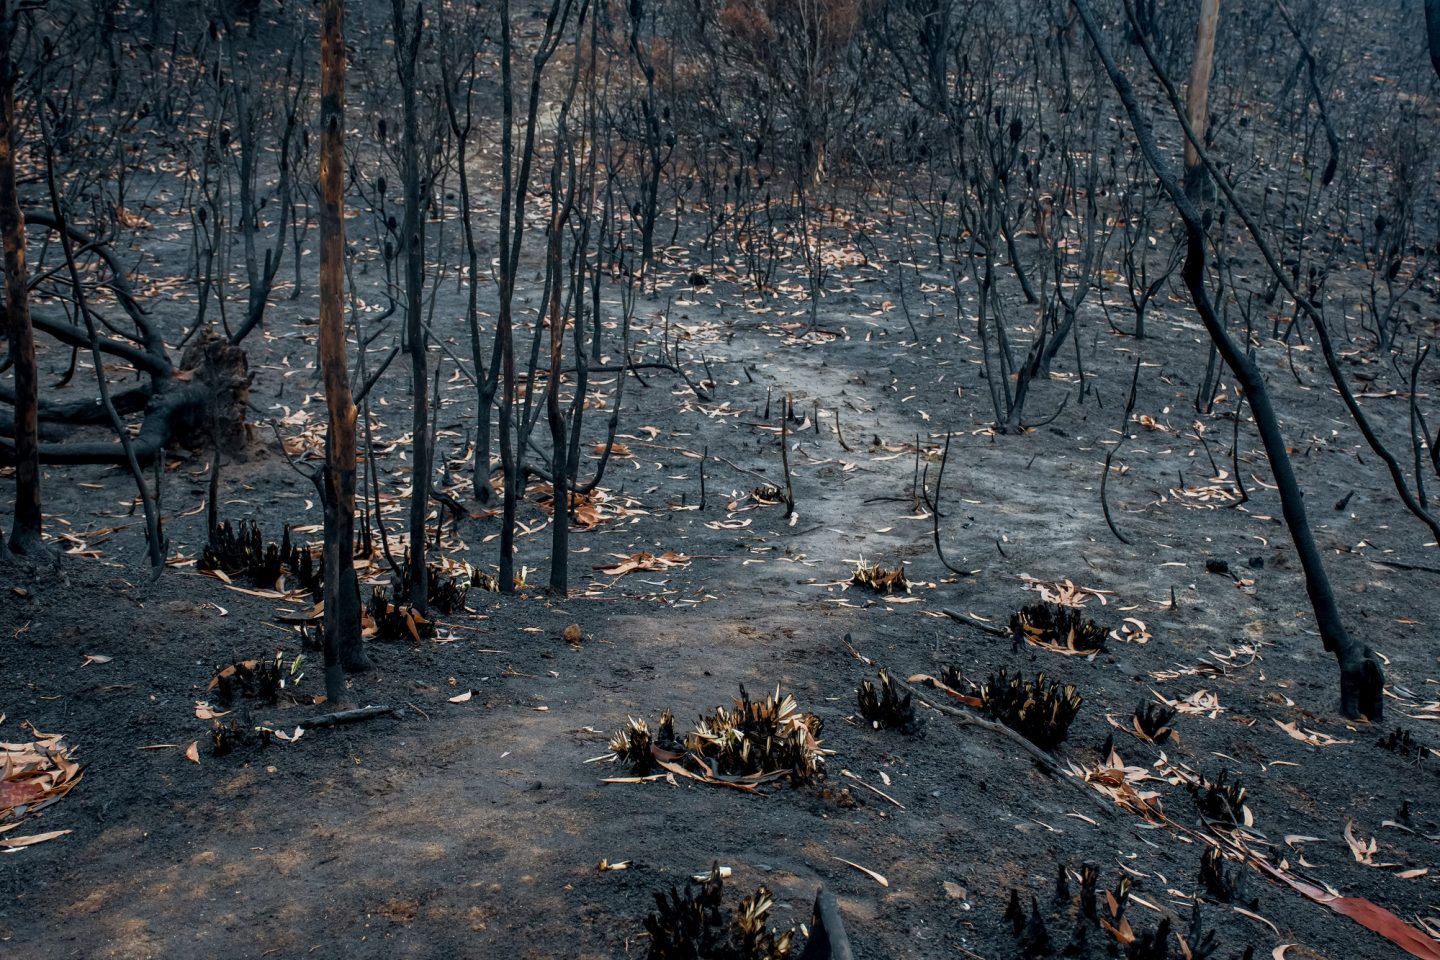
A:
[1152, 722]
[1038, 710]
[879, 579]
[1403, 742]
[1056, 627]
[395, 621]
[695, 925]
[884, 707]
[1221, 800]
[1224, 883]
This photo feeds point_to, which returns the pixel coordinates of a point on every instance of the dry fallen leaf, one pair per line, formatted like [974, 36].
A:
[462, 697]
[644, 561]
[192, 752]
[865, 870]
[1313, 737]
[14, 843]
[96, 658]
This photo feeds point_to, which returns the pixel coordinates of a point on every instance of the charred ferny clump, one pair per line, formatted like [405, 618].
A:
[1221, 800]
[258, 679]
[241, 551]
[1153, 722]
[227, 738]
[1401, 741]
[1086, 915]
[1038, 710]
[1053, 625]
[636, 747]
[879, 579]
[696, 926]
[449, 582]
[449, 587]
[397, 621]
[1154, 945]
[751, 742]
[1226, 883]
[759, 737]
[885, 707]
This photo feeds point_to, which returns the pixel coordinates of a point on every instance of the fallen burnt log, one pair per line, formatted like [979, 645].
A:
[176, 412]
[203, 398]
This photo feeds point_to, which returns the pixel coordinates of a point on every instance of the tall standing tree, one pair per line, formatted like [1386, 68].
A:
[342, 640]
[1197, 95]
[25, 533]
[1432, 29]
[1362, 679]
[412, 242]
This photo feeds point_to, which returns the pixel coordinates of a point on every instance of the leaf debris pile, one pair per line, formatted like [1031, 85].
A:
[33, 775]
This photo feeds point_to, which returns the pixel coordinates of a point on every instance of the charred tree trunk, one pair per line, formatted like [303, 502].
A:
[25, 532]
[1432, 29]
[342, 638]
[1197, 95]
[407, 50]
[1362, 682]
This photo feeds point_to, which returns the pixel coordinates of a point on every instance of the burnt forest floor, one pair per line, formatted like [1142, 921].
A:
[475, 828]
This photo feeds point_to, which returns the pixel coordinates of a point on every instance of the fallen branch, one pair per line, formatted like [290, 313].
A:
[978, 624]
[342, 717]
[1042, 759]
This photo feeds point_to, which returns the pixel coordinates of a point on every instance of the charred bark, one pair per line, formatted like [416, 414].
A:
[26, 536]
[342, 638]
[1361, 677]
